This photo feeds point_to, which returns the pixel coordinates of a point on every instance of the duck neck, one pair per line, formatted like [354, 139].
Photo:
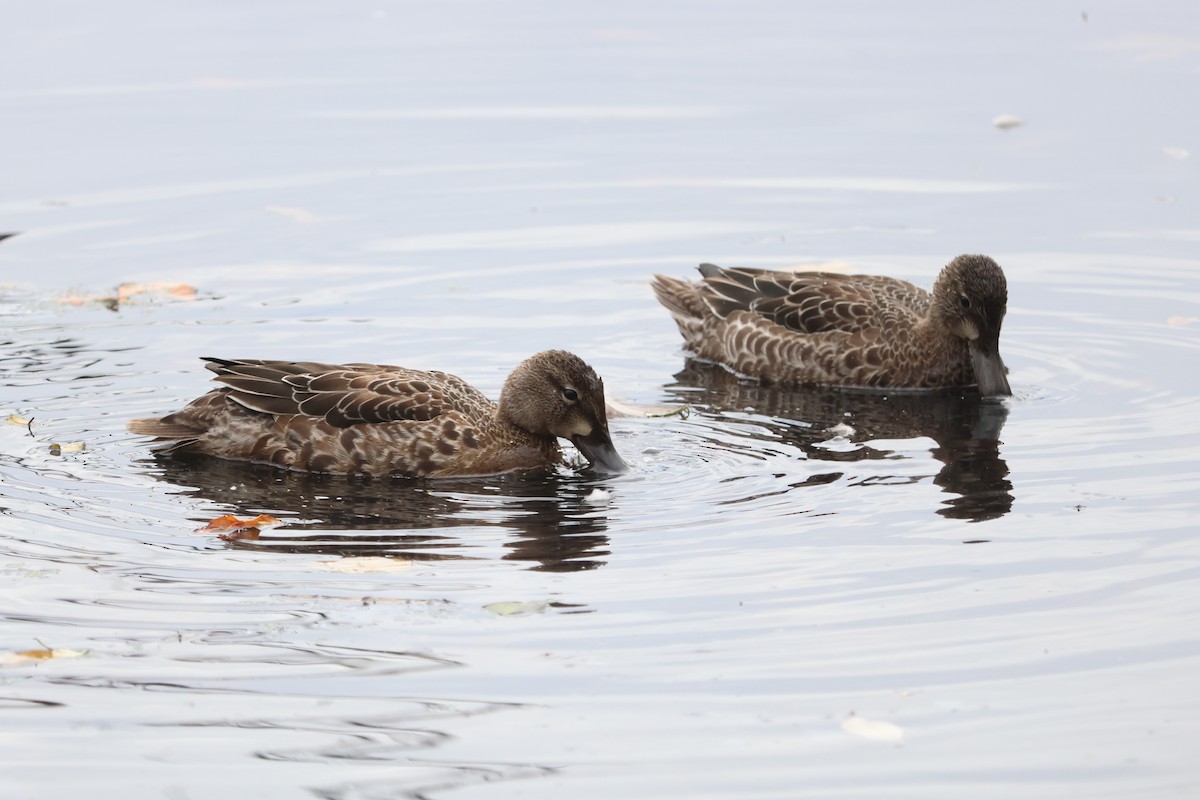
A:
[936, 338]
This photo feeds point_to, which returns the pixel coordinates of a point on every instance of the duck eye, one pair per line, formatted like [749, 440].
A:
[964, 301]
[570, 394]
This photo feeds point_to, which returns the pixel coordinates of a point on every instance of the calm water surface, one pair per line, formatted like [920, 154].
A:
[791, 594]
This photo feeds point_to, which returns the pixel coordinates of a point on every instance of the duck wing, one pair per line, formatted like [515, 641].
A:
[346, 394]
[811, 302]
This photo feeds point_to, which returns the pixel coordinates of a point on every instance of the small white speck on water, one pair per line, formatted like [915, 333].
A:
[598, 496]
[841, 430]
[875, 730]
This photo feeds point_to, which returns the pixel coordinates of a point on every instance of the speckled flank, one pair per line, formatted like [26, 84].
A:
[386, 420]
[847, 330]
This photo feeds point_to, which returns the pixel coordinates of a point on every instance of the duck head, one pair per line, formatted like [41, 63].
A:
[554, 393]
[970, 298]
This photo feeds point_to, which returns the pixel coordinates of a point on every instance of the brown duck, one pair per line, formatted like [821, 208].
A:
[383, 420]
[847, 330]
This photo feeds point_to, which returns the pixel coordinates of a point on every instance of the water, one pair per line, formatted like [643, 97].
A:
[814, 594]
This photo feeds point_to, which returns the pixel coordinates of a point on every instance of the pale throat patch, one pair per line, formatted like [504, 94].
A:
[581, 428]
[967, 330]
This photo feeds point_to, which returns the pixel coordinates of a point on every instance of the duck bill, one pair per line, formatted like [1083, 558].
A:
[597, 448]
[990, 372]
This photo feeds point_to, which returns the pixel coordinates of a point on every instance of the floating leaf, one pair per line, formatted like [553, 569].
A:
[516, 608]
[180, 290]
[358, 565]
[34, 656]
[57, 449]
[229, 522]
[127, 291]
[77, 299]
[1006, 122]
[13, 419]
[873, 729]
[616, 407]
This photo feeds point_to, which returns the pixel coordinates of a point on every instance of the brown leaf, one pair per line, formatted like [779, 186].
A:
[229, 523]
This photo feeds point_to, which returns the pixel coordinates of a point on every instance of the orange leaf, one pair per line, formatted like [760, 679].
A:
[127, 291]
[264, 521]
[77, 299]
[36, 655]
[229, 522]
[181, 290]
[23, 657]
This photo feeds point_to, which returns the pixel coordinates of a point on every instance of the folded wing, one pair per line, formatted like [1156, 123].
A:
[344, 394]
[809, 302]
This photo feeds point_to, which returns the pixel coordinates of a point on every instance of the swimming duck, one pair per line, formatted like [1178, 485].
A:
[384, 420]
[847, 330]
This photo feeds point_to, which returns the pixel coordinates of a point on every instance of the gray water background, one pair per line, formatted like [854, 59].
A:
[947, 599]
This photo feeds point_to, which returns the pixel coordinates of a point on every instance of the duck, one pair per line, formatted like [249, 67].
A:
[383, 420]
[854, 331]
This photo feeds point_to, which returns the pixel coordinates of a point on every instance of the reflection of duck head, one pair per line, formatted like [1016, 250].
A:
[965, 427]
[552, 518]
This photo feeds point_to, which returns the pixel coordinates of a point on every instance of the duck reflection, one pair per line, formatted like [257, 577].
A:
[554, 520]
[965, 427]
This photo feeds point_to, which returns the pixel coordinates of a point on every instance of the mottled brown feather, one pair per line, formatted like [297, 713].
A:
[849, 330]
[388, 420]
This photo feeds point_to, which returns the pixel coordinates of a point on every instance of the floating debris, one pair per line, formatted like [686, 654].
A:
[126, 292]
[1006, 122]
[360, 565]
[23, 657]
[616, 407]
[25, 422]
[841, 430]
[875, 730]
[597, 496]
[229, 523]
[516, 608]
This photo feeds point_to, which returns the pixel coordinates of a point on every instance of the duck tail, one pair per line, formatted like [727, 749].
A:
[682, 298]
[730, 289]
[176, 435]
